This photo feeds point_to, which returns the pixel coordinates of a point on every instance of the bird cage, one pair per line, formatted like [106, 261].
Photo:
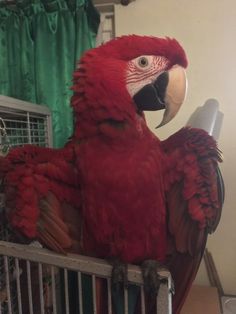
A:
[20, 123]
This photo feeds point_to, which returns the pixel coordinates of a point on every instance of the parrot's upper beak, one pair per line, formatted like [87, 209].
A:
[166, 92]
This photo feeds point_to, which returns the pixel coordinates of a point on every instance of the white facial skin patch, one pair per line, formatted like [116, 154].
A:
[144, 70]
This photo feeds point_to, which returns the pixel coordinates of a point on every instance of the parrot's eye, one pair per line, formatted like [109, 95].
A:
[143, 62]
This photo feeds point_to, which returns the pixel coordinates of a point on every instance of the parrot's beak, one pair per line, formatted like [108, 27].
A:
[166, 92]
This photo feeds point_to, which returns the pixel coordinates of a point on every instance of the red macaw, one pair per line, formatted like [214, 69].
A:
[115, 190]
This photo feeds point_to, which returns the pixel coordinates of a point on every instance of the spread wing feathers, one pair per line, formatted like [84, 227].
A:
[195, 195]
[41, 193]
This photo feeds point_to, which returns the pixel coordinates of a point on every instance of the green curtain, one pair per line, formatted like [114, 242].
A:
[40, 42]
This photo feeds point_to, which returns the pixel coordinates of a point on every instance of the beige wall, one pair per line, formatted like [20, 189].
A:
[207, 30]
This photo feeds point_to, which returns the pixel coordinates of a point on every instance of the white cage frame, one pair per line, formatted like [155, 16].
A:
[94, 267]
[26, 123]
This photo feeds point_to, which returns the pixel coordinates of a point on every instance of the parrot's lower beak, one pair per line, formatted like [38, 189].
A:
[166, 92]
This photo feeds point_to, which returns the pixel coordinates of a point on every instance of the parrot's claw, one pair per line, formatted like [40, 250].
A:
[119, 275]
[151, 278]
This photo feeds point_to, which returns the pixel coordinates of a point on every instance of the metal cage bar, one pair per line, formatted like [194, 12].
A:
[8, 290]
[18, 287]
[80, 292]
[109, 298]
[54, 303]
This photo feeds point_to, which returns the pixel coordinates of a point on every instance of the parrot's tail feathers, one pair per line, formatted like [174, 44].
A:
[186, 246]
[183, 269]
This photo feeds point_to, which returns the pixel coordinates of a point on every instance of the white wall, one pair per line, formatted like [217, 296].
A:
[207, 31]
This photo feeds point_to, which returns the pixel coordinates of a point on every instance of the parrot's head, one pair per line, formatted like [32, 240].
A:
[117, 81]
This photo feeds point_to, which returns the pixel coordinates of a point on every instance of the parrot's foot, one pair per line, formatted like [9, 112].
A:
[151, 278]
[119, 275]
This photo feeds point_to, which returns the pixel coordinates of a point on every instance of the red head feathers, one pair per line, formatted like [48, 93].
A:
[111, 83]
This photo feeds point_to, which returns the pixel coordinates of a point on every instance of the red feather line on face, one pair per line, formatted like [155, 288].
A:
[136, 74]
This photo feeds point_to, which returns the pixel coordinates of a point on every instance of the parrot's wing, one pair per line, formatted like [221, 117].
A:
[195, 195]
[42, 196]
[59, 224]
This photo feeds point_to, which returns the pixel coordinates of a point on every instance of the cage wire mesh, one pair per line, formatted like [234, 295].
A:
[25, 128]
[20, 123]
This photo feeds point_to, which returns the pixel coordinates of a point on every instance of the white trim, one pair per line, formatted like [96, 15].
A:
[106, 29]
[14, 103]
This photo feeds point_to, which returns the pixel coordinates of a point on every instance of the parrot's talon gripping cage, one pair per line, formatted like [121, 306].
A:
[34, 280]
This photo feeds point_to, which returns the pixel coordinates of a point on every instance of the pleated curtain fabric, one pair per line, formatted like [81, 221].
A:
[40, 43]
